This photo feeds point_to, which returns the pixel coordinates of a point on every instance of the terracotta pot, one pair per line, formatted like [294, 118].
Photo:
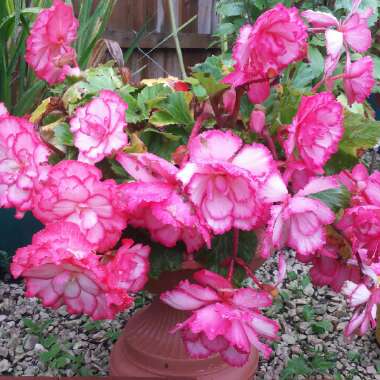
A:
[146, 349]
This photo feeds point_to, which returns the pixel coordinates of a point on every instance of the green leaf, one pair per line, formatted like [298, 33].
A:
[174, 111]
[213, 65]
[304, 76]
[321, 365]
[308, 313]
[84, 371]
[231, 9]
[199, 91]
[374, 4]
[117, 169]
[49, 341]
[289, 102]
[161, 118]
[152, 96]
[134, 113]
[5, 261]
[222, 248]
[376, 61]
[354, 356]
[360, 133]
[160, 144]
[211, 85]
[316, 61]
[226, 28]
[334, 198]
[45, 356]
[61, 362]
[164, 259]
[340, 161]
[103, 77]
[169, 136]
[321, 327]
[32, 326]
[54, 350]
[63, 134]
[295, 367]
[92, 326]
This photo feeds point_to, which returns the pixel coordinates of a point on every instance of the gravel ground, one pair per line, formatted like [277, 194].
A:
[308, 345]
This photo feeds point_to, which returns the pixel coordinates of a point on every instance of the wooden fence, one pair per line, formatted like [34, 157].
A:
[147, 61]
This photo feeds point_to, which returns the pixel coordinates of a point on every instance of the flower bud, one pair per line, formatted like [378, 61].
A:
[229, 99]
[257, 121]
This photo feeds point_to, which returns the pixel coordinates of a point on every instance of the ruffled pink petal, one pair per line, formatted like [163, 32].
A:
[214, 145]
[320, 19]
[258, 92]
[233, 357]
[251, 298]
[208, 278]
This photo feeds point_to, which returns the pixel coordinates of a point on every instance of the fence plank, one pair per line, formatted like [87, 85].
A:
[187, 10]
[205, 16]
[187, 40]
[130, 15]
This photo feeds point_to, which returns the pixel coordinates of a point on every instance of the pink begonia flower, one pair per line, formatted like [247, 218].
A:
[48, 48]
[61, 268]
[361, 226]
[155, 202]
[22, 155]
[358, 79]
[364, 188]
[257, 121]
[352, 32]
[301, 176]
[333, 272]
[315, 131]
[355, 181]
[225, 320]
[329, 268]
[98, 127]
[129, 268]
[299, 222]
[264, 49]
[73, 191]
[365, 303]
[230, 183]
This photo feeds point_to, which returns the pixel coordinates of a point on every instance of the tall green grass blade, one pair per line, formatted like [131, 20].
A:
[5, 94]
[19, 47]
[93, 29]
[29, 98]
[136, 41]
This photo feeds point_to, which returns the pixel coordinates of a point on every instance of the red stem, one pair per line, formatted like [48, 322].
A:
[235, 113]
[247, 269]
[270, 143]
[316, 87]
[198, 125]
[234, 254]
[316, 30]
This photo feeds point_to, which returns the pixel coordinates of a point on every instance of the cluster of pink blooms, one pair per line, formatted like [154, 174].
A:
[220, 184]
[48, 47]
[350, 33]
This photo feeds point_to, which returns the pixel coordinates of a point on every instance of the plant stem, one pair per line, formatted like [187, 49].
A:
[235, 248]
[250, 274]
[270, 143]
[198, 125]
[378, 324]
[176, 39]
[316, 87]
[239, 94]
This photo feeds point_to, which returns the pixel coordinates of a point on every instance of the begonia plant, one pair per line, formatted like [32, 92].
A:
[242, 159]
